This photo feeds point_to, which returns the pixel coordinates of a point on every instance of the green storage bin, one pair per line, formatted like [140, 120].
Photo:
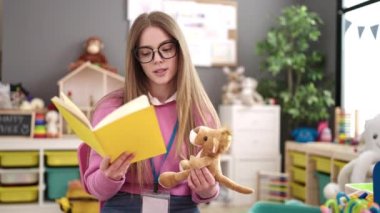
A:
[57, 180]
[323, 179]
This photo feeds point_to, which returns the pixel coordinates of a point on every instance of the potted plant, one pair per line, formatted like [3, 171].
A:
[297, 68]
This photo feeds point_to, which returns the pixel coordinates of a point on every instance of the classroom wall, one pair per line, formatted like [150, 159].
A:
[41, 38]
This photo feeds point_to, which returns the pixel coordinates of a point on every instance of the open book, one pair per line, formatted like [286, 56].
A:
[132, 128]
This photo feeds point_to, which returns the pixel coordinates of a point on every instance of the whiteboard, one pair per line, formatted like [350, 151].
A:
[209, 26]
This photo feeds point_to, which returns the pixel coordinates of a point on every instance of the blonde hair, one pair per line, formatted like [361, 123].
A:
[192, 99]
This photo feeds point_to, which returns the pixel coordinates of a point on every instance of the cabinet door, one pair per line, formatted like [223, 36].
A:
[262, 118]
[246, 171]
[250, 143]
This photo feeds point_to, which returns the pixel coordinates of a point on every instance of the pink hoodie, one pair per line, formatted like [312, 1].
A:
[104, 188]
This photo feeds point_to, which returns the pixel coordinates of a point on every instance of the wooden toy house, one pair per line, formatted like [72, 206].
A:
[87, 84]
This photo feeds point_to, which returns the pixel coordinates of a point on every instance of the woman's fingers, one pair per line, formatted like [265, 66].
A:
[105, 163]
[118, 168]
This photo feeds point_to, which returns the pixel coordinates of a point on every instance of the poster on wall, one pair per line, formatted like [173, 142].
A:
[211, 37]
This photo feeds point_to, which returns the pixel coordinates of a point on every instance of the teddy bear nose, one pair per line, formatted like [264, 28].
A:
[374, 136]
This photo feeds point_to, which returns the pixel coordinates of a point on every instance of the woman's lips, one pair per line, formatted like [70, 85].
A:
[160, 72]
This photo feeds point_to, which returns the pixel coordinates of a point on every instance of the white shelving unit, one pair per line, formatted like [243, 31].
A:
[41, 145]
[255, 144]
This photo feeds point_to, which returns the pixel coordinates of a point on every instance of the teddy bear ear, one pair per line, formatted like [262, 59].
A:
[215, 145]
[240, 70]
[226, 70]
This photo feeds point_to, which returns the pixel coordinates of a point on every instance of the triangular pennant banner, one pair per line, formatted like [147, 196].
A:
[347, 24]
[360, 30]
[374, 30]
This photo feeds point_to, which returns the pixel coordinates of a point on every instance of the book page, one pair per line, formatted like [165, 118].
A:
[66, 103]
[134, 105]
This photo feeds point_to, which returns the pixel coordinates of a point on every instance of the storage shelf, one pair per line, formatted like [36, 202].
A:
[315, 157]
[19, 143]
[67, 142]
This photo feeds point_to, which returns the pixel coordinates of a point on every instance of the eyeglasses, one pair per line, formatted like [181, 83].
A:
[165, 50]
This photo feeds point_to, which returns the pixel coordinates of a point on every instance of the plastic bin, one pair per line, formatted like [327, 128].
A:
[61, 158]
[323, 179]
[322, 164]
[18, 194]
[298, 190]
[19, 159]
[339, 164]
[298, 174]
[298, 159]
[18, 176]
[57, 180]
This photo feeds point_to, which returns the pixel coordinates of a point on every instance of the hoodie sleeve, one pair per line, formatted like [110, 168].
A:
[95, 180]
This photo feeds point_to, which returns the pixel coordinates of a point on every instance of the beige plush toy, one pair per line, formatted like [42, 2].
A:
[213, 142]
[231, 91]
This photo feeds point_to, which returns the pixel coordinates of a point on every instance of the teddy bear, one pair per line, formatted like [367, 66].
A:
[231, 91]
[5, 98]
[52, 119]
[248, 95]
[357, 169]
[93, 53]
[213, 143]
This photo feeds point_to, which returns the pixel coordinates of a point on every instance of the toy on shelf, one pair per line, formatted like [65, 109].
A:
[357, 169]
[231, 91]
[86, 85]
[5, 98]
[93, 53]
[324, 132]
[213, 143]
[248, 95]
[240, 89]
[52, 124]
[39, 125]
[344, 128]
[272, 186]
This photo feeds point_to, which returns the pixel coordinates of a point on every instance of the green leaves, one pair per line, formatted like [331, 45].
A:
[297, 69]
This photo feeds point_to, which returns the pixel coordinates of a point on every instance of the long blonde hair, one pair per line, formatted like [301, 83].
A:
[192, 99]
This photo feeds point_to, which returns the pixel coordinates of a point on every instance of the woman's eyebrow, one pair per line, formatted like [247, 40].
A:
[163, 42]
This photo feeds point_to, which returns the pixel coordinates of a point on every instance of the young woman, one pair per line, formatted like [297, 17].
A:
[158, 65]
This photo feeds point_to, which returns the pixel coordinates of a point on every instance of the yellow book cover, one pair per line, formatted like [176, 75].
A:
[131, 128]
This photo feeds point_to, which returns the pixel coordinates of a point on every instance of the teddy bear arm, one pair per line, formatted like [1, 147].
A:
[345, 174]
[184, 164]
[197, 163]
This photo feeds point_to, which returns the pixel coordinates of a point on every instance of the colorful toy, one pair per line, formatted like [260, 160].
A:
[213, 142]
[357, 169]
[93, 53]
[304, 134]
[324, 132]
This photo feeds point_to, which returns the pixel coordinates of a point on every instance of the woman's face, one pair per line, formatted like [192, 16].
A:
[163, 67]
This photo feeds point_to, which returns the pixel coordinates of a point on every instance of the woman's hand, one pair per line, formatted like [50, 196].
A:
[118, 168]
[202, 182]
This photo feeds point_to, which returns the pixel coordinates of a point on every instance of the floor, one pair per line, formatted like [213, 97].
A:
[224, 208]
